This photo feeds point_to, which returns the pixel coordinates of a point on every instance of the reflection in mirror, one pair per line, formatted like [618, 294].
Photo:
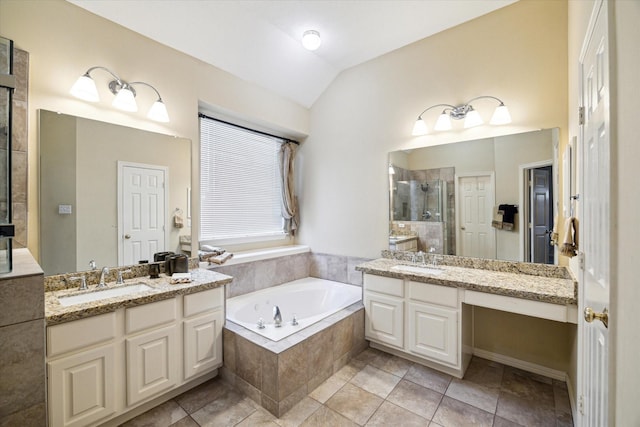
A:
[109, 193]
[477, 198]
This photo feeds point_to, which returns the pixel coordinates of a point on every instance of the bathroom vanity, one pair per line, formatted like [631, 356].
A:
[424, 313]
[112, 358]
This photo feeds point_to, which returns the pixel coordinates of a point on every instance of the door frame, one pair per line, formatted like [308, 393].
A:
[525, 203]
[120, 232]
[492, 203]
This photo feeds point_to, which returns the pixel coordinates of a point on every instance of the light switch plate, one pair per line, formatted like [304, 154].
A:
[64, 209]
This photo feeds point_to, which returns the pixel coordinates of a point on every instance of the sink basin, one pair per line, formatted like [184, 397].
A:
[103, 294]
[417, 269]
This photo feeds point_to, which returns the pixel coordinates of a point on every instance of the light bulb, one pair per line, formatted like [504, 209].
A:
[125, 100]
[419, 127]
[501, 116]
[85, 88]
[443, 123]
[392, 171]
[311, 40]
[472, 119]
[158, 112]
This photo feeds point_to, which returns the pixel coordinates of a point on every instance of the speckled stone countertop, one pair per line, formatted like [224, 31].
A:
[201, 280]
[555, 290]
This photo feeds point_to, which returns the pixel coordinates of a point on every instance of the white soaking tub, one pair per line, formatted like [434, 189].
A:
[309, 300]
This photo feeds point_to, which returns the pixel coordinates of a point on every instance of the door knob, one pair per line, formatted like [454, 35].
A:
[590, 316]
[463, 228]
[127, 236]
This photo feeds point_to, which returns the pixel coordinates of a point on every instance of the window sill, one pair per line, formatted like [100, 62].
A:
[260, 254]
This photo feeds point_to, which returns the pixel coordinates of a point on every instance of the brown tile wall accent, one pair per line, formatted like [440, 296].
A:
[19, 159]
[279, 381]
[339, 268]
[22, 366]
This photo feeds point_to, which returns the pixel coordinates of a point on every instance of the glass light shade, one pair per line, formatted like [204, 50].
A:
[125, 100]
[443, 123]
[85, 89]
[419, 128]
[158, 112]
[501, 116]
[472, 119]
[311, 40]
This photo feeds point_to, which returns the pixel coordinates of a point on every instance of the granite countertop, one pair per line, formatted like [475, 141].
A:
[555, 290]
[201, 279]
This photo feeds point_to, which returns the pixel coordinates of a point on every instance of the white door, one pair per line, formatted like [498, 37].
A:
[476, 237]
[141, 211]
[595, 224]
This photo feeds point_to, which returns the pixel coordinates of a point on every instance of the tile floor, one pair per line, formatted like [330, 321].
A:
[378, 389]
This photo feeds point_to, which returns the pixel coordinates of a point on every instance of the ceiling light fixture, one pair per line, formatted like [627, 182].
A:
[85, 88]
[464, 111]
[311, 40]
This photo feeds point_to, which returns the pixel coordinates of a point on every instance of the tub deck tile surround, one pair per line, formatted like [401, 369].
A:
[554, 285]
[521, 399]
[278, 375]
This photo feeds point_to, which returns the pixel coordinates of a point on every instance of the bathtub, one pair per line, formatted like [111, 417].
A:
[309, 300]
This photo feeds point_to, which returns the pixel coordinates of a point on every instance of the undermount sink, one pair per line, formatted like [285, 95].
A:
[417, 269]
[103, 294]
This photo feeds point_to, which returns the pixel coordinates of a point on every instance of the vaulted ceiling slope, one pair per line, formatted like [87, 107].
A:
[259, 40]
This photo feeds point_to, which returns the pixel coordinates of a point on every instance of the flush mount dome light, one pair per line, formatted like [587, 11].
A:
[311, 40]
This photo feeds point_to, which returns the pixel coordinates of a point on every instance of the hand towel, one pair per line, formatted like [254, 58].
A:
[221, 259]
[178, 221]
[569, 246]
[497, 218]
[180, 278]
[554, 233]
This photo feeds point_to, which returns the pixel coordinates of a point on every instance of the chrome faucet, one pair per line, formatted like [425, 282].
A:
[120, 280]
[277, 317]
[102, 284]
[421, 255]
[83, 282]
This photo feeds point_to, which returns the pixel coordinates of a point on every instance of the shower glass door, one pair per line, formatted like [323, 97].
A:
[7, 85]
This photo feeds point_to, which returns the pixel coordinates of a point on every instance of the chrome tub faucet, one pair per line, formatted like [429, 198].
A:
[277, 317]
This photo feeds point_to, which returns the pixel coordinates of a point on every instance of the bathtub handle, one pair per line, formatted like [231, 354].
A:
[277, 317]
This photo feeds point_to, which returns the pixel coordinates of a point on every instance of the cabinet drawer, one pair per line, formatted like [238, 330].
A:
[80, 333]
[150, 315]
[203, 301]
[384, 285]
[435, 294]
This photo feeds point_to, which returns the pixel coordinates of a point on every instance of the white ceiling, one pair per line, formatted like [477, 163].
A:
[259, 40]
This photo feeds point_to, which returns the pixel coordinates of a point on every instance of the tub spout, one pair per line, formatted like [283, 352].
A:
[277, 317]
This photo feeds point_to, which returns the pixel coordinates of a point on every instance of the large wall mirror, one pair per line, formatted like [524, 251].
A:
[493, 198]
[109, 193]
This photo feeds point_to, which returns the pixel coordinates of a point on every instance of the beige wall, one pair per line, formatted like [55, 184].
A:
[518, 53]
[64, 41]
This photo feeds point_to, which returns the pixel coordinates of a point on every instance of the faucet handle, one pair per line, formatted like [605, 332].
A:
[92, 264]
[83, 284]
[120, 280]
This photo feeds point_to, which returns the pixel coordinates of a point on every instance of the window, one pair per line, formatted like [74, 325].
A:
[240, 184]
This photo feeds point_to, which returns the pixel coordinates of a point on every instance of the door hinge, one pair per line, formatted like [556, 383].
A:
[581, 260]
[581, 404]
[581, 116]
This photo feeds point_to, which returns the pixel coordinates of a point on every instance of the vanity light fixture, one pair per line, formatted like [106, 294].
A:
[125, 95]
[464, 111]
[392, 171]
[311, 40]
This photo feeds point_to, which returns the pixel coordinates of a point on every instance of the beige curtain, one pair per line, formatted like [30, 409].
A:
[289, 199]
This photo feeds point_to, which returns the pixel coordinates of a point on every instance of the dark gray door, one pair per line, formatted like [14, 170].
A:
[541, 215]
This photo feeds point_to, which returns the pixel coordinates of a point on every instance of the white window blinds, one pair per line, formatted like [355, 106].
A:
[240, 184]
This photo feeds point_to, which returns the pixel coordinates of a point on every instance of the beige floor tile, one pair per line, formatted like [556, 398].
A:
[396, 366]
[350, 370]
[185, 422]
[389, 414]
[202, 395]
[325, 417]
[477, 395]
[299, 413]
[429, 378]
[163, 415]
[375, 381]
[501, 422]
[526, 411]
[260, 418]
[415, 398]
[452, 412]
[529, 386]
[324, 391]
[484, 372]
[354, 403]
[227, 410]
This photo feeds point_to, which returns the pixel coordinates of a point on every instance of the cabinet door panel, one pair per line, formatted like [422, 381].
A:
[84, 385]
[433, 332]
[151, 363]
[202, 344]
[384, 319]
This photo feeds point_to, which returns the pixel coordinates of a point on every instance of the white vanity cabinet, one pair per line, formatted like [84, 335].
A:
[418, 321]
[101, 367]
